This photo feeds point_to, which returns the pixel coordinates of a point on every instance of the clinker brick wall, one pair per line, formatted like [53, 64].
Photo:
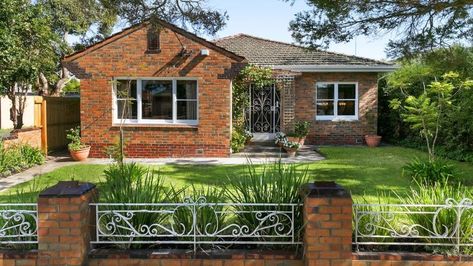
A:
[340, 132]
[126, 56]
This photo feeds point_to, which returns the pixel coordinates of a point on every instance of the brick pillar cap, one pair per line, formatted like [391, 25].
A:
[324, 189]
[66, 189]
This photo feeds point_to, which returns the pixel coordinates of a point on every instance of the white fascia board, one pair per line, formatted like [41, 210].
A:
[337, 68]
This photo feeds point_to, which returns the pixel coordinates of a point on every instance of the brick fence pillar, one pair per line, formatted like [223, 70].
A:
[328, 224]
[64, 223]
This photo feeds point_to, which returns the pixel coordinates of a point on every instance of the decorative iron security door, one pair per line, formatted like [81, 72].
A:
[264, 113]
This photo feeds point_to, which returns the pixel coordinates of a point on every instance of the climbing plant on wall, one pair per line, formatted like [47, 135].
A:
[251, 75]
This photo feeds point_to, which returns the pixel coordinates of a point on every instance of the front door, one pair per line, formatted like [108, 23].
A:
[264, 113]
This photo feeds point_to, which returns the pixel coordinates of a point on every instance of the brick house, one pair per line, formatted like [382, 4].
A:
[171, 92]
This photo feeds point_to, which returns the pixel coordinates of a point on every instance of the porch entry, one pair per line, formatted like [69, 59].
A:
[264, 114]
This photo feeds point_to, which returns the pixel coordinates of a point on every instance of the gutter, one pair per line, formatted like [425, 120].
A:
[338, 68]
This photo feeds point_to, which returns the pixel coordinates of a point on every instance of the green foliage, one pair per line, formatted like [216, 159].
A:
[19, 157]
[132, 183]
[72, 87]
[430, 171]
[273, 183]
[365, 220]
[455, 136]
[208, 217]
[418, 27]
[256, 76]
[238, 141]
[301, 128]
[426, 111]
[438, 193]
[73, 135]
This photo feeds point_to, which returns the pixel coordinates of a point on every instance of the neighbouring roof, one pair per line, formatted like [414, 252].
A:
[163, 23]
[286, 56]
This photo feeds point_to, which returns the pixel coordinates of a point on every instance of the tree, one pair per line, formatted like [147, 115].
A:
[195, 14]
[27, 46]
[419, 25]
[425, 112]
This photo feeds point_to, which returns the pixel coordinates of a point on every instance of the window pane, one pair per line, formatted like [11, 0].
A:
[346, 108]
[187, 110]
[187, 89]
[127, 109]
[325, 108]
[157, 99]
[126, 89]
[325, 91]
[346, 91]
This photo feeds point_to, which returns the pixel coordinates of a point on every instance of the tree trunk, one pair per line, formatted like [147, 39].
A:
[65, 78]
[43, 85]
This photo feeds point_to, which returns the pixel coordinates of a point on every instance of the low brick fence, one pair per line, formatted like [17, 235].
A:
[66, 227]
[30, 136]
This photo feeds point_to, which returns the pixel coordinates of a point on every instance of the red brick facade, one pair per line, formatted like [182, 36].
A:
[340, 132]
[125, 55]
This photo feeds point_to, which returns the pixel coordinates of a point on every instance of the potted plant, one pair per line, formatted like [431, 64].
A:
[248, 136]
[77, 149]
[291, 148]
[373, 140]
[301, 130]
[280, 139]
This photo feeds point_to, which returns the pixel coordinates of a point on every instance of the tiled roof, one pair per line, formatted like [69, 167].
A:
[264, 52]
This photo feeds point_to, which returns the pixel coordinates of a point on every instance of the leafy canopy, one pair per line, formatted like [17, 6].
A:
[27, 43]
[425, 112]
[418, 25]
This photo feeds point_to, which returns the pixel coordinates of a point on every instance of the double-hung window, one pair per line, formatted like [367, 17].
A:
[337, 101]
[156, 101]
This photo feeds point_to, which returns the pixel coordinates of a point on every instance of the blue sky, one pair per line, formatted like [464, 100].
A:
[270, 19]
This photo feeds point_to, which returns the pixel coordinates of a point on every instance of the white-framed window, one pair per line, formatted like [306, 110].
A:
[155, 101]
[336, 101]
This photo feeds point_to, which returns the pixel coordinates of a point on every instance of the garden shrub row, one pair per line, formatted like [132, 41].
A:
[18, 157]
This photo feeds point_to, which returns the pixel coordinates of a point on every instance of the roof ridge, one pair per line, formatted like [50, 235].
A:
[302, 47]
[163, 23]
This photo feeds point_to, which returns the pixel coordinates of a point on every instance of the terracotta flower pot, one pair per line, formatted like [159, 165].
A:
[372, 140]
[293, 139]
[301, 141]
[291, 152]
[80, 155]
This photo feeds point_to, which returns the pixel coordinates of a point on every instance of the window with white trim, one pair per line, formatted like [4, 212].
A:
[155, 101]
[336, 101]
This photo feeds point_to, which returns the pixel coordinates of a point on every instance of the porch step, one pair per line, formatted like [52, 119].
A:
[261, 150]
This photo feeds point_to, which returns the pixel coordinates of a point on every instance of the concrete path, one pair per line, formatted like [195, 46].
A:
[305, 154]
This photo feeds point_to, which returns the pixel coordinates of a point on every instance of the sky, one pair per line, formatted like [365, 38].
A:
[270, 19]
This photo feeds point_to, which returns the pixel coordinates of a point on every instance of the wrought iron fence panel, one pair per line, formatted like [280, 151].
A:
[197, 222]
[443, 225]
[18, 223]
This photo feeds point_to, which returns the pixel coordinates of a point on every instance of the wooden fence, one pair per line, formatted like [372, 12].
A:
[55, 115]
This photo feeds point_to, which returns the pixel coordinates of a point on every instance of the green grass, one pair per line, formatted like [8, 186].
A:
[365, 172]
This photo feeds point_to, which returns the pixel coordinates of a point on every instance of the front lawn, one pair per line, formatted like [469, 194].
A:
[364, 171]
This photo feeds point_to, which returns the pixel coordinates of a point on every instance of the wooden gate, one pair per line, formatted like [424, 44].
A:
[56, 115]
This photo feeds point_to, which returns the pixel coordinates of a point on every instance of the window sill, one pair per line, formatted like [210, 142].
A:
[163, 126]
[337, 119]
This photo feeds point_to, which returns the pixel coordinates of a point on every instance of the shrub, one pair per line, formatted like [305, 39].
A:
[73, 135]
[445, 219]
[430, 171]
[238, 141]
[210, 217]
[132, 183]
[301, 128]
[275, 183]
[18, 157]
[373, 219]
